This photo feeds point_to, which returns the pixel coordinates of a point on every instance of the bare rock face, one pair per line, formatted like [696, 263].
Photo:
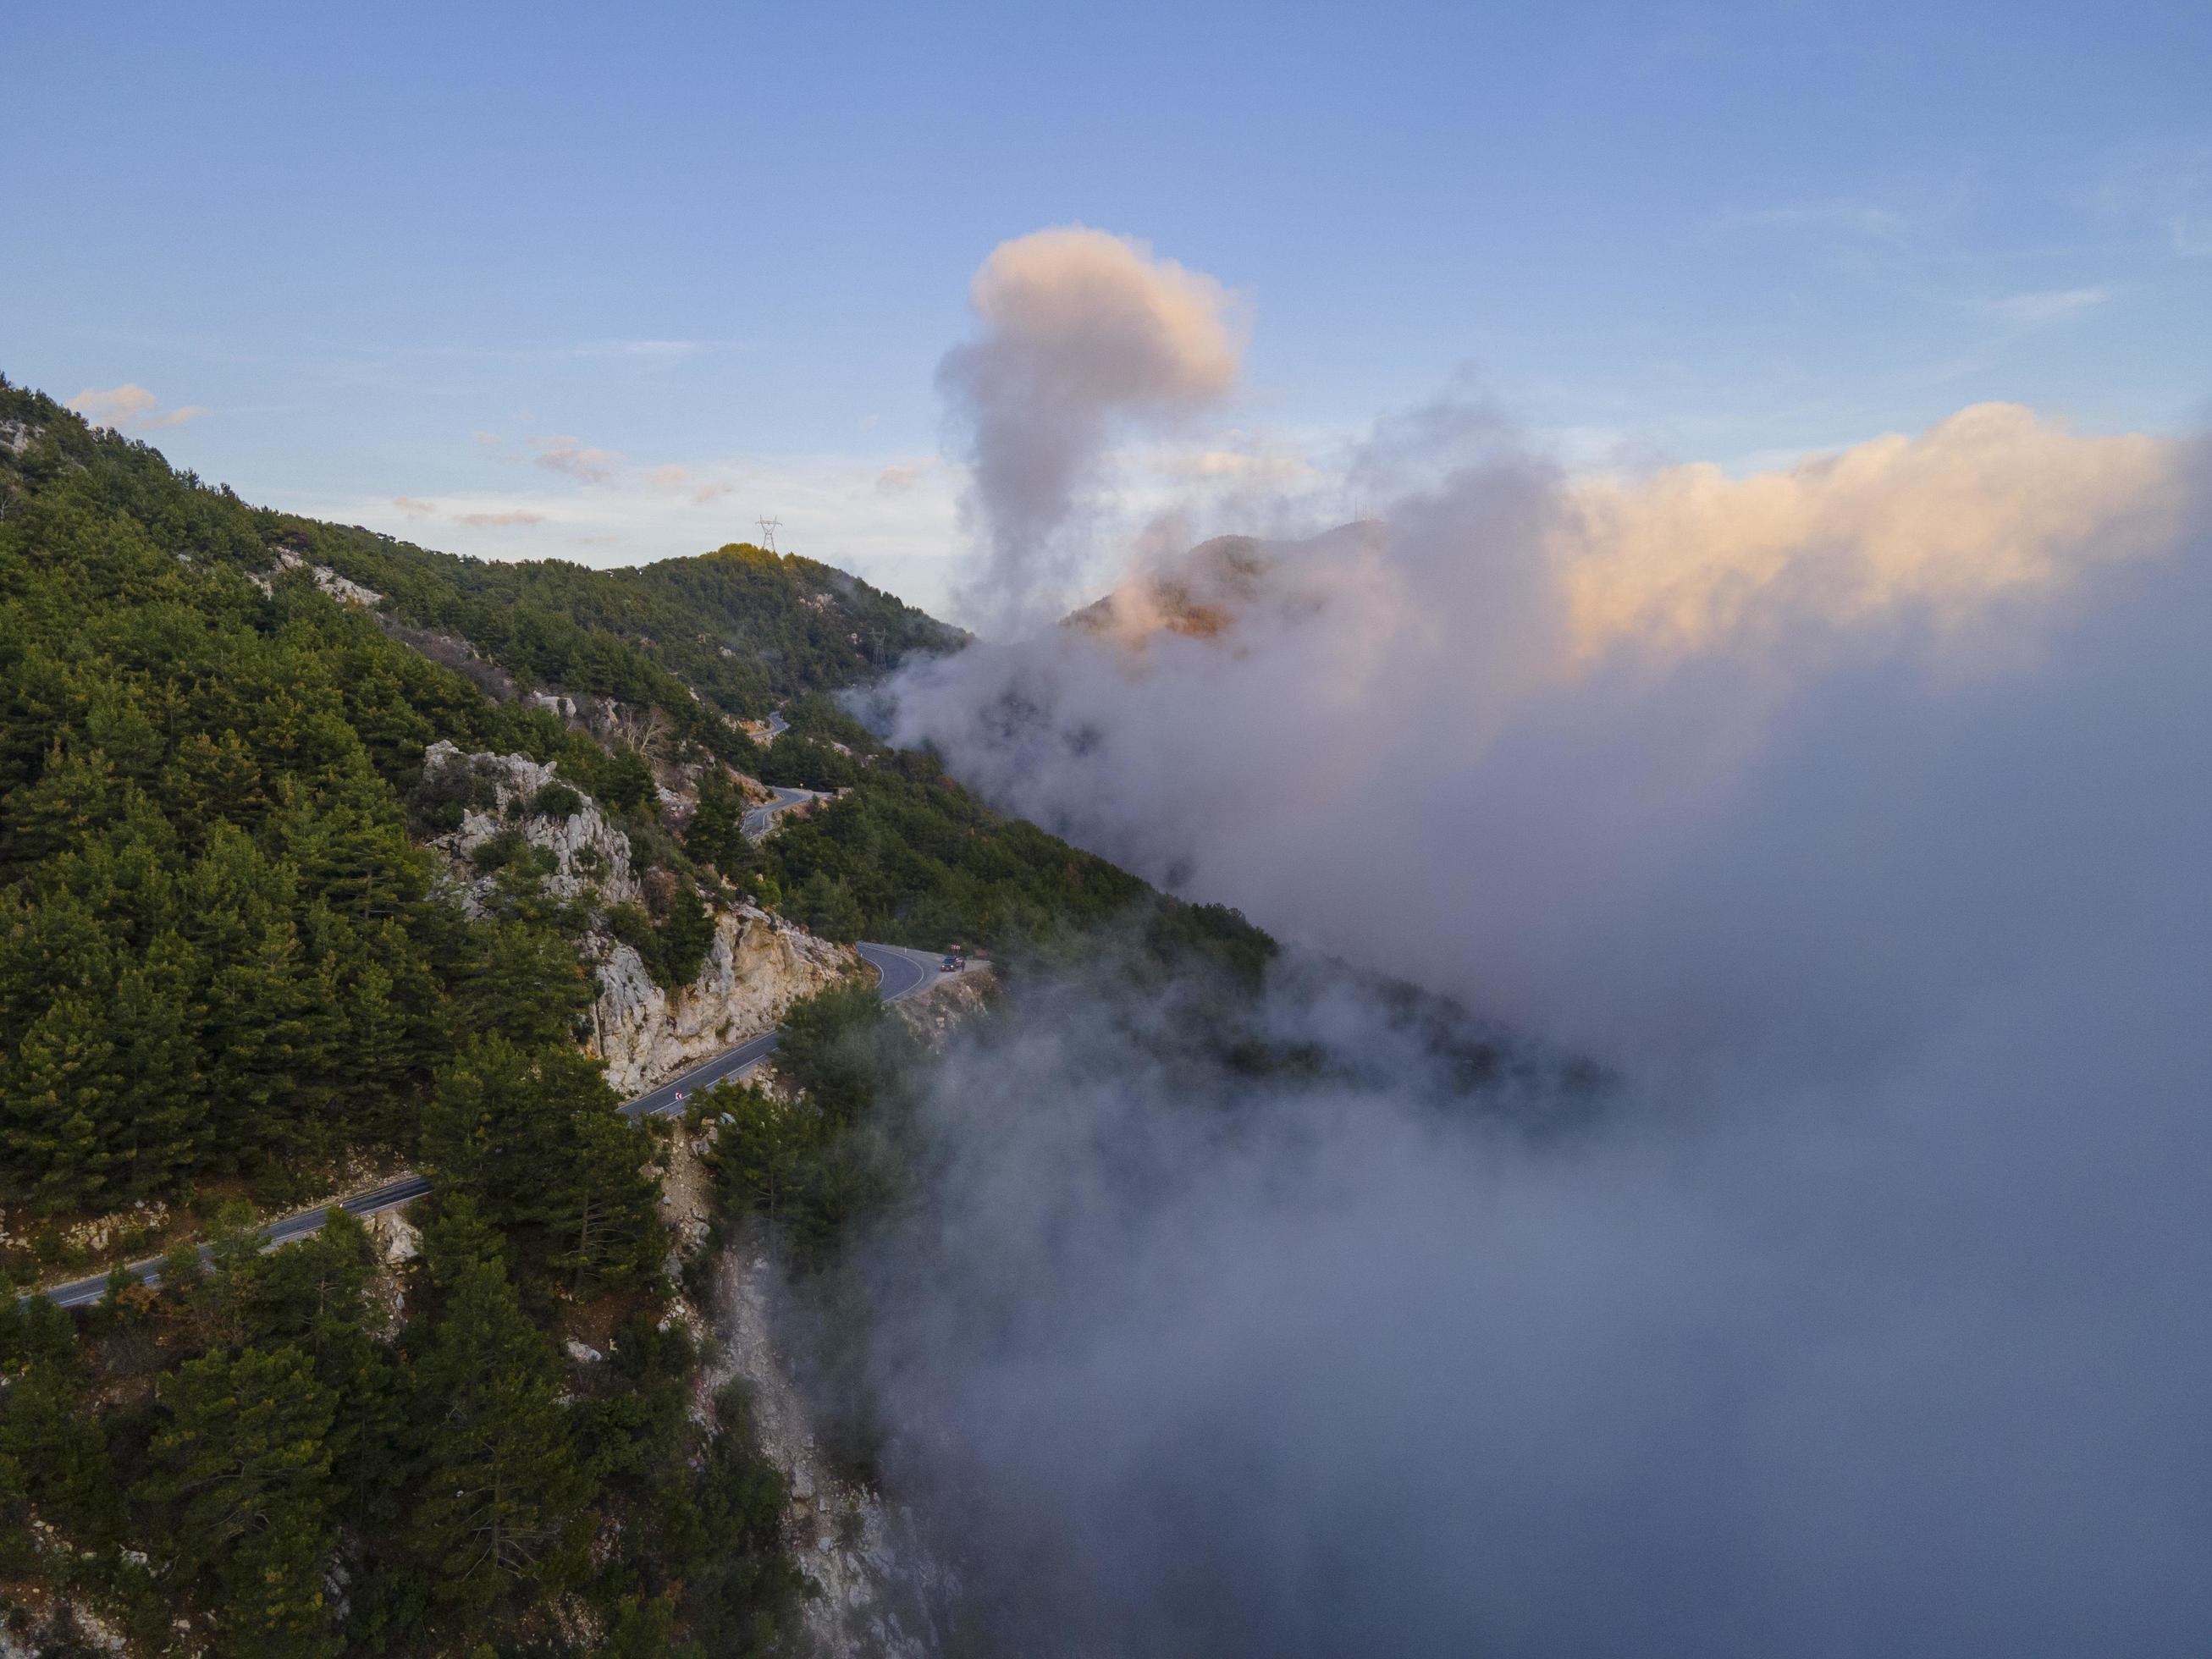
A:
[605, 718]
[395, 1239]
[881, 1590]
[588, 853]
[344, 589]
[757, 967]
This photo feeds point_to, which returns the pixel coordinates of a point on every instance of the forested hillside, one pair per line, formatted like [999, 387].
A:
[223, 964]
[743, 628]
[232, 967]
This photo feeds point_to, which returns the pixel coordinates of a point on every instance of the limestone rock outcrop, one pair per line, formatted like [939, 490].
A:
[757, 967]
[588, 852]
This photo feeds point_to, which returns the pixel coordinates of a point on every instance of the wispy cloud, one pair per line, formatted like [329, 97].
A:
[2050, 305]
[651, 353]
[413, 507]
[572, 456]
[1268, 465]
[679, 481]
[113, 405]
[1852, 218]
[130, 405]
[499, 520]
[898, 479]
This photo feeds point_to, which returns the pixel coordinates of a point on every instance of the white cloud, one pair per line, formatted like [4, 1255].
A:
[1281, 468]
[1082, 336]
[114, 406]
[2050, 306]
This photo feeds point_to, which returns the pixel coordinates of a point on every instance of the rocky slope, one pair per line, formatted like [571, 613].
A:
[589, 855]
[881, 1590]
[757, 967]
[884, 1593]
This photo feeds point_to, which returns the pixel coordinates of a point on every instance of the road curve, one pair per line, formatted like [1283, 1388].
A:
[761, 819]
[899, 973]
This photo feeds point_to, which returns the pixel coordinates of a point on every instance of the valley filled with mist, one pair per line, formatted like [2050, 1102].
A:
[1850, 819]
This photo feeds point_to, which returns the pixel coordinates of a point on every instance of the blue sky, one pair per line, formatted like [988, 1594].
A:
[607, 284]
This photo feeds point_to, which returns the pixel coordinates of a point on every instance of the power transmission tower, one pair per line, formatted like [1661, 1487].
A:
[768, 529]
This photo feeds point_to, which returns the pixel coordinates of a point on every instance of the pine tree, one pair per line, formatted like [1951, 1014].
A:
[503, 1492]
[259, 1009]
[686, 935]
[532, 1139]
[245, 1464]
[212, 779]
[521, 981]
[162, 1134]
[53, 1452]
[311, 1296]
[78, 795]
[605, 1222]
[59, 1099]
[829, 907]
[716, 832]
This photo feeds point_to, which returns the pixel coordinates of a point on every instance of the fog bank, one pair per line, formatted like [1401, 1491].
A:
[1855, 814]
[1637, 764]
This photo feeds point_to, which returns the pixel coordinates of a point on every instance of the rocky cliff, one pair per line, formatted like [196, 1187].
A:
[758, 966]
[588, 855]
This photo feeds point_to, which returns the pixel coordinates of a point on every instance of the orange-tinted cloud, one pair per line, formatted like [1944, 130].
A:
[1993, 500]
[130, 405]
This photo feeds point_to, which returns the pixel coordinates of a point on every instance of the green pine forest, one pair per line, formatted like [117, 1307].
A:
[232, 970]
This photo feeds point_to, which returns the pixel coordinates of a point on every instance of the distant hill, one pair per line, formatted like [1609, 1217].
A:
[745, 627]
[742, 627]
[1205, 593]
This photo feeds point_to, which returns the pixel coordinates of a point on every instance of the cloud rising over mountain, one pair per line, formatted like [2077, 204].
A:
[1855, 815]
[1082, 333]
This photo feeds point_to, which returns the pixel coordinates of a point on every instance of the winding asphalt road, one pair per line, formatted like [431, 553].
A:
[761, 819]
[899, 972]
